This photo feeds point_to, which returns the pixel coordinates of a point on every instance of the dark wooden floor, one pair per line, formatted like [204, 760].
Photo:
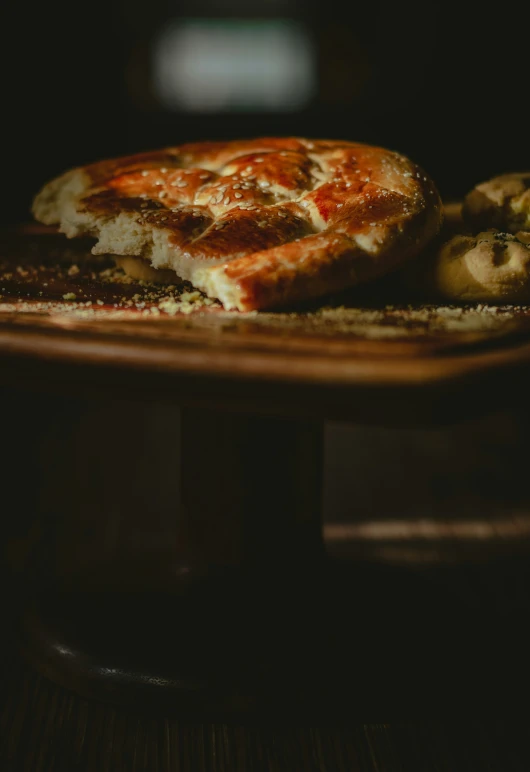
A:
[43, 728]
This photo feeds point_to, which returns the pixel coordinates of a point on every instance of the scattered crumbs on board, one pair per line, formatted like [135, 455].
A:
[92, 287]
[393, 321]
[63, 281]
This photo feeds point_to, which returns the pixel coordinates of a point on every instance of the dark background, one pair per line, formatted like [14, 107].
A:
[446, 87]
[443, 85]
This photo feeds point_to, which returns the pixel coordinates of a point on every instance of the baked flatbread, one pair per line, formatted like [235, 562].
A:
[257, 223]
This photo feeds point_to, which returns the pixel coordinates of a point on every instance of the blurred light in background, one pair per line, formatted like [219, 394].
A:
[234, 65]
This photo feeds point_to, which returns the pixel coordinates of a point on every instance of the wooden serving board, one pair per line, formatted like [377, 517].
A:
[61, 305]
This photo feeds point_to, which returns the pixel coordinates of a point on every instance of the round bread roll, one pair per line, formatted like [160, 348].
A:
[502, 202]
[486, 255]
[258, 223]
[492, 266]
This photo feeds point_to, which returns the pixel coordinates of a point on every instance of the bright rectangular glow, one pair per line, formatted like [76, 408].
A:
[206, 65]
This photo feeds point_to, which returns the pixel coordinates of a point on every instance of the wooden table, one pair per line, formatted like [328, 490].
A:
[247, 615]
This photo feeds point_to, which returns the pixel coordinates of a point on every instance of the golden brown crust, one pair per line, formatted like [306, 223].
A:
[257, 223]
